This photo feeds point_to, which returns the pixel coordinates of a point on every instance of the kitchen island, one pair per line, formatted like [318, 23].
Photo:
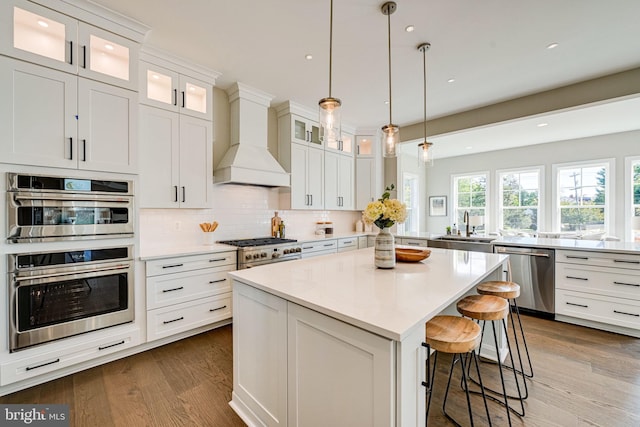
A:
[335, 341]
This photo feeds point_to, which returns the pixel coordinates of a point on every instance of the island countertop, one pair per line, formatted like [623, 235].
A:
[347, 286]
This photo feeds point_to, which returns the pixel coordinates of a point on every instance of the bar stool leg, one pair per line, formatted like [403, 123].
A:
[524, 340]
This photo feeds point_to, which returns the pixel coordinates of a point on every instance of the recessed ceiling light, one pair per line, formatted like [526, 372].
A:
[409, 28]
[42, 23]
[108, 46]
[541, 125]
[451, 80]
[552, 46]
[308, 56]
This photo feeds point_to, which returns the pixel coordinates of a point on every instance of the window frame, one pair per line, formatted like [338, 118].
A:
[609, 164]
[454, 198]
[540, 169]
[629, 207]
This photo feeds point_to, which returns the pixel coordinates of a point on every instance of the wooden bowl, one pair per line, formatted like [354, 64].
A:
[411, 254]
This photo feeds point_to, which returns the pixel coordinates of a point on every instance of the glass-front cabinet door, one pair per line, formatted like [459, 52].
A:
[365, 145]
[158, 86]
[305, 131]
[195, 97]
[107, 57]
[38, 34]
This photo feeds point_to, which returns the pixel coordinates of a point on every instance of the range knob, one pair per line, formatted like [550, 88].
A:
[263, 255]
[286, 251]
[298, 249]
[247, 256]
[256, 256]
[275, 255]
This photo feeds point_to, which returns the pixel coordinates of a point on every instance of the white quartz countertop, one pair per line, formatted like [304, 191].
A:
[570, 244]
[348, 287]
[160, 252]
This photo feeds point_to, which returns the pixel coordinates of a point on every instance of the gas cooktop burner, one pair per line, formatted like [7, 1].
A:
[261, 241]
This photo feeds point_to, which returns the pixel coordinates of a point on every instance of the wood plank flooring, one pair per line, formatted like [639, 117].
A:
[583, 377]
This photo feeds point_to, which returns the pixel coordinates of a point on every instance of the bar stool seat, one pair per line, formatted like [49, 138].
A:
[494, 309]
[458, 336]
[499, 288]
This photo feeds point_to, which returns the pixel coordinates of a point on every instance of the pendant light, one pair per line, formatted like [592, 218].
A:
[390, 132]
[425, 153]
[329, 107]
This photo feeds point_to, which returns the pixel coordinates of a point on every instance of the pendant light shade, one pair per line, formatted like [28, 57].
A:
[425, 150]
[390, 132]
[329, 107]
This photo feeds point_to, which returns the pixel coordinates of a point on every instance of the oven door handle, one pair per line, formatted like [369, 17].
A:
[75, 197]
[94, 272]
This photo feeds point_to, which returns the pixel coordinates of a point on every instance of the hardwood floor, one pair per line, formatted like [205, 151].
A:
[583, 377]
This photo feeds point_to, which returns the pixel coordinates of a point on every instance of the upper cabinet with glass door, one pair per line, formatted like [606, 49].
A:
[46, 37]
[305, 131]
[345, 145]
[171, 90]
[365, 145]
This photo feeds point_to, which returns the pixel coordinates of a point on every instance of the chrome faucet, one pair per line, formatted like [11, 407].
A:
[465, 219]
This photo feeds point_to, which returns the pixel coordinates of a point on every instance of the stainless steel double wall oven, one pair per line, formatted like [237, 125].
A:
[59, 293]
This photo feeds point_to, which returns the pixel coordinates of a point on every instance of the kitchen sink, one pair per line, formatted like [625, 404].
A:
[471, 243]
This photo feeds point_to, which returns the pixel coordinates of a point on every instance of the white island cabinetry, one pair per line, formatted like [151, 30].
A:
[599, 289]
[320, 343]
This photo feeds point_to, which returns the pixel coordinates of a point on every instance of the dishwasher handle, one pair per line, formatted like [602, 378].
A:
[538, 254]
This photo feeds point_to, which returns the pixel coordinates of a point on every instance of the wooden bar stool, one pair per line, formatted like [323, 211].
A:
[495, 309]
[457, 336]
[510, 291]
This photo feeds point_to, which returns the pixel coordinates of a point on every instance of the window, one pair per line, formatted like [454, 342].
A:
[470, 194]
[410, 192]
[583, 196]
[633, 198]
[519, 200]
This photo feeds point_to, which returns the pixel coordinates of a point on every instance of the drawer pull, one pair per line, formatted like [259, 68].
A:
[577, 305]
[307, 247]
[217, 260]
[172, 266]
[348, 242]
[31, 368]
[172, 289]
[413, 244]
[627, 314]
[111, 345]
[576, 278]
[577, 257]
[329, 244]
[166, 322]
[626, 261]
[627, 284]
[219, 308]
[217, 281]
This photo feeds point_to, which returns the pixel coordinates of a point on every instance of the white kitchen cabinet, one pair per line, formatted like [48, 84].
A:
[365, 187]
[164, 88]
[43, 36]
[365, 145]
[338, 184]
[363, 242]
[319, 247]
[305, 131]
[307, 174]
[299, 354]
[346, 244]
[81, 123]
[187, 292]
[599, 289]
[176, 160]
[408, 241]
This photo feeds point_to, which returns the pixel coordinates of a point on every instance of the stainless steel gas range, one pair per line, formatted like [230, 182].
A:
[264, 250]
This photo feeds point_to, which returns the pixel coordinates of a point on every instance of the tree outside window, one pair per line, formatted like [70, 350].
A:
[636, 187]
[470, 194]
[582, 197]
[520, 200]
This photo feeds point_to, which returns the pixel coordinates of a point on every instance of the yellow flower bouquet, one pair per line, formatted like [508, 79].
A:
[385, 212]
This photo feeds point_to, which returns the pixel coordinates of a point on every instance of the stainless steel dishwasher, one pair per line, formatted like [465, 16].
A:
[534, 270]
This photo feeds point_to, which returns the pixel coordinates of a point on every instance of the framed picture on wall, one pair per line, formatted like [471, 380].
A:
[438, 206]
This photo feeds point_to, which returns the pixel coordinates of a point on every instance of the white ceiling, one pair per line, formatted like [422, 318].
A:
[495, 50]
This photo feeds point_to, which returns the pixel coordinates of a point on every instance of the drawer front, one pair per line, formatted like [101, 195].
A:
[166, 321]
[413, 242]
[614, 311]
[362, 242]
[347, 244]
[602, 259]
[320, 245]
[192, 262]
[28, 367]
[177, 288]
[613, 282]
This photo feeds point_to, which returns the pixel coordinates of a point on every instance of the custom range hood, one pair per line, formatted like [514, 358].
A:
[248, 160]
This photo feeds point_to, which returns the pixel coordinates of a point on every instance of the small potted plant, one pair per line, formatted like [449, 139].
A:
[448, 231]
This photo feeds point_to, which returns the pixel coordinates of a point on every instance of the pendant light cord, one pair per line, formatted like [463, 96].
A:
[424, 69]
[389, 34]
[330, 44]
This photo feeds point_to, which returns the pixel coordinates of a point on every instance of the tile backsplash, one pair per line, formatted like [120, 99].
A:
[241, 211]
